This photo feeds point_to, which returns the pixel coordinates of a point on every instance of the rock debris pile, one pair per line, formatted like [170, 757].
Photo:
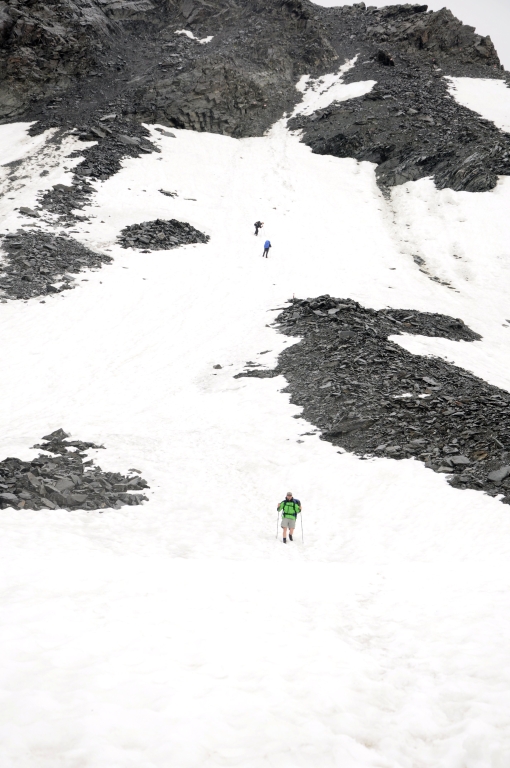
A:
[409, 124]
[65, 480]
[64, 199]
[370, 396]
[38, 263]
[116, 138]
[98, 162]
[160, 235]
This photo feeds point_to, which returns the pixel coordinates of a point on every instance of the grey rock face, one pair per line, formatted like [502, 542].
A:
[499, 474]
[127, 53]
[111, 64]
[409, 125]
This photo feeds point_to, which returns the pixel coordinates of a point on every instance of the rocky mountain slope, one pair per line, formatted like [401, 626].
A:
[82, 64]
[100, 69]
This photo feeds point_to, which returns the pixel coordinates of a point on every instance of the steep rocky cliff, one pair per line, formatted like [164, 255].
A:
[84, 55]
[409, 124]
[68, 64]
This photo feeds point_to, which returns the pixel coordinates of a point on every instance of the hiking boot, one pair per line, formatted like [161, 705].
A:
[284, 540]
[290, 537]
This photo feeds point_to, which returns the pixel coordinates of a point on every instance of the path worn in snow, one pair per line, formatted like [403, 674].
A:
[182, 633]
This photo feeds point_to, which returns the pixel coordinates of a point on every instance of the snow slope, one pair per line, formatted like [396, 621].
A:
[182, 632]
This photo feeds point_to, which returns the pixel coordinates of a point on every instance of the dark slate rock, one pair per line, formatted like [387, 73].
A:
[35, 260]
[58, 434]
[160, 235]
[29, 212]
[499, 474]
[370, 396]
[461, 461]
[8, 497]
[65, 480]
[107, 72]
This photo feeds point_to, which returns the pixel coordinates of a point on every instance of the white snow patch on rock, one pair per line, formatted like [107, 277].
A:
[490, 98]
[191, 36]
[320, 92]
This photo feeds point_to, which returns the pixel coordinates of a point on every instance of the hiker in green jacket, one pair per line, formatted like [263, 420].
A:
[290, 509]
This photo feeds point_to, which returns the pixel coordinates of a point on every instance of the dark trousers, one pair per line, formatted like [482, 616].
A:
[266, 251]
[257, 230]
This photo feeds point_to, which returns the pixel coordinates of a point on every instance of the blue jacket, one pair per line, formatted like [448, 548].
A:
[267, 244]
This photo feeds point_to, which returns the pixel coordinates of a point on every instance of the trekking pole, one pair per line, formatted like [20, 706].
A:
[302, 538]
[277, 515]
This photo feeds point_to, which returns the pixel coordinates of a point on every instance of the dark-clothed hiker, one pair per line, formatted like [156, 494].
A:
[267, 246]
[258, 225]
[290, 509]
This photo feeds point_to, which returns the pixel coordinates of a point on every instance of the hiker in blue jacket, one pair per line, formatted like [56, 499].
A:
[267, 246]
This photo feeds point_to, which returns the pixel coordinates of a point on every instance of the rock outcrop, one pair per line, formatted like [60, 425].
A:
[66, 480]
[71, 65]
[62, 60]
[39, 264]
[409, 124]
[368, 395]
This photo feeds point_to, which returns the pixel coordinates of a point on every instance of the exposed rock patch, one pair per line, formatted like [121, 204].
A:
[75, 61]
[65, 480]
[109, 66]
[37, 263]
[64, 200]
[161, 235]
[410, 125]
[432, 37]
[370, 396]
[116, 138]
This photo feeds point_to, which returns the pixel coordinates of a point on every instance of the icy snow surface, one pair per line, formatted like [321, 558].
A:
[182, 633]
[320, 92]
[490, 98]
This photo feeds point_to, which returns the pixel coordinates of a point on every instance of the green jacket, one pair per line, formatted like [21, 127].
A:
[290, 509]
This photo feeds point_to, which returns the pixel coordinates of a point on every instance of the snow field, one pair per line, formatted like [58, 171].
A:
[183, 633]
[133, 660]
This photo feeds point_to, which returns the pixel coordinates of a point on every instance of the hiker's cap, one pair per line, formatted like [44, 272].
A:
[289, 493]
